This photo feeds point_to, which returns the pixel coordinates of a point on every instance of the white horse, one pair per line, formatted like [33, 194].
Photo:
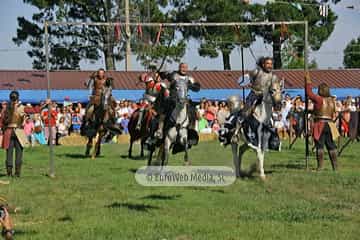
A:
[263, 112]
[177, 135]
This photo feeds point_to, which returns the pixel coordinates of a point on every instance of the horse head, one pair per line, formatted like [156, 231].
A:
[276, 93]
[182, 92]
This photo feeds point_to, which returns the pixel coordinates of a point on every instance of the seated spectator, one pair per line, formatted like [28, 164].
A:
[121, 112]
[222, 114]
[216, 126]
[62, 128]
[203, 126]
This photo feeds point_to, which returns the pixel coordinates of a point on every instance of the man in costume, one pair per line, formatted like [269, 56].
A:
[175, 79]
[324, 129]
[155, 96]
[95, 85]
[13, 138]
[101, 98]
[260, 81]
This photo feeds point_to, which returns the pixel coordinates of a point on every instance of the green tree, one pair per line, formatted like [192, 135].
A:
[291, 59]
[352, 54]
[320, 27]
[70, 44]
[214, 40]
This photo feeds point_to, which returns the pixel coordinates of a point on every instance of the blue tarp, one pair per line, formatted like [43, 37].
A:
[35, 96]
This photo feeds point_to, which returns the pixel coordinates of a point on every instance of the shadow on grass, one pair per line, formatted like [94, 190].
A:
[133, 170]
[19, 232]
[72, 155]
[288, 166]
[132, 206]
[66, 218]
[124, 156]
[269, 172]
[208, 189]
[161, 197]
[77, 156]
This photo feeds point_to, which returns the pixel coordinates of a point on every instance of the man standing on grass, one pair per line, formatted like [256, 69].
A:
[324, 129]
[14, 137]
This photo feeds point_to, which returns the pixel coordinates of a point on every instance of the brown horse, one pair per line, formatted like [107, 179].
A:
[141, 134]
[96, 130]
[102, 123]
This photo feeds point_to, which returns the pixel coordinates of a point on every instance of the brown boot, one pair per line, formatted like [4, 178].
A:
[320, 159]
[333, 159]
[9, 171]
[17, 171]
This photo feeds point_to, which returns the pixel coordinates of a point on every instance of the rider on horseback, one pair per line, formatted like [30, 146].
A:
[155, 94]
[101, 99]
[261, 79]
[175, 78]
[95, 85]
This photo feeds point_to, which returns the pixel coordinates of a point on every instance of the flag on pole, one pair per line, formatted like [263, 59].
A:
[324, 10]
[139, 31]
[117, 31]
[159, 34]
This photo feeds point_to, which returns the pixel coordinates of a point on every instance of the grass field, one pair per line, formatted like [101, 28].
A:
[100, 199]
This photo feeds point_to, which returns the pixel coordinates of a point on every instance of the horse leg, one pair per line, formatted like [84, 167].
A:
[93, 143]
[236, 161]
[130, 148]
[242, 149]
[166, 150]
[142, 142]
[98, 144]
[184, 141]
[186, 156]
[260, 157]
[88, 147]
[150, 157]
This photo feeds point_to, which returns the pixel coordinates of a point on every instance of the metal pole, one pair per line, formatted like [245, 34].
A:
[128, 35]
[148, 11]
[194, 24]
[51, 147]
[242, 71]
[306, 98]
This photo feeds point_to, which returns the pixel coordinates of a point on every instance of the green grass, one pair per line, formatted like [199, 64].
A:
[100, 199]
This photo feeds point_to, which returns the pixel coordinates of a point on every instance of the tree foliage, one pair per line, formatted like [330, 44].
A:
[214, 40]
[352, 54]
[69, 45]
[320, 28]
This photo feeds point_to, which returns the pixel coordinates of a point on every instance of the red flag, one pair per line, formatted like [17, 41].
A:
[159, 34]
[139, 31]
[117, 31]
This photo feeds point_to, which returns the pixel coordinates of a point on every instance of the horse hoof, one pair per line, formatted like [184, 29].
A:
[187, 163]
[263, 177]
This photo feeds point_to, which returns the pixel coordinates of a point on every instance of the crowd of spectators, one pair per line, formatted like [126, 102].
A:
[211, 115]
[286, 121]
